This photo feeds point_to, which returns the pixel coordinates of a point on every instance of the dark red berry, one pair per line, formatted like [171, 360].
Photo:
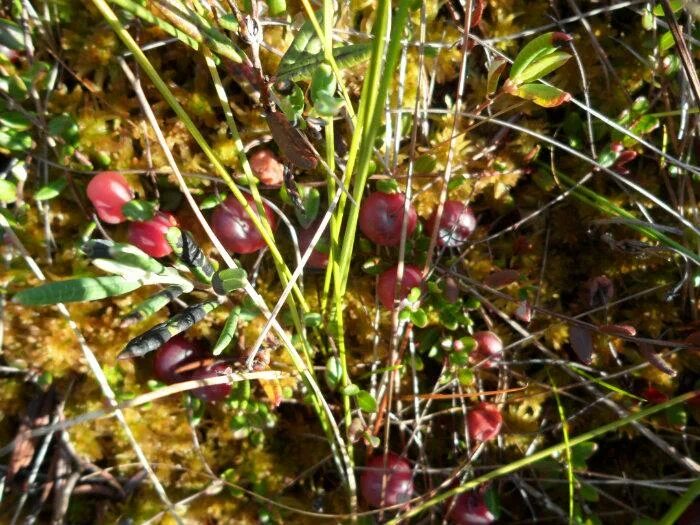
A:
[176, 354]
[108, 191]
[488, 350]
[235, 230]
[212, 393]
[470, 509]
[381, 217]
[399, 481]
[654, 396]
[484, 421]
[412, 278]
[457, 223]
[318, 260]
[149, 236]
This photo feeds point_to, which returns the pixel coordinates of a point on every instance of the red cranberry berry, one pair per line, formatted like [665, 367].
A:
[489, 348]
[457, 223]
[318, 260]
[484, 421]
[212, 393]
[267, 167]
[654, 396]
[381, 217]
[412, 278]
[176, 354]
[399, 481]
[149, 236]
[235, 230]
[471, 509]
[108, 191]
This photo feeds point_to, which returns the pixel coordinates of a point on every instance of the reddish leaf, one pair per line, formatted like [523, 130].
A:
[290, 141]
[502, 278]
[618, 329]
[655, 359]
[581, 340]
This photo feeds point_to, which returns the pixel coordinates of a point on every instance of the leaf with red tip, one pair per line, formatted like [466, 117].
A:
[618, 329]
[494, 75]
[655, 359]
[542, 95]
[581, 340]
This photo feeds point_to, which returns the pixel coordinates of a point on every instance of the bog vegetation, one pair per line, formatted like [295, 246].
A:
[369, 262]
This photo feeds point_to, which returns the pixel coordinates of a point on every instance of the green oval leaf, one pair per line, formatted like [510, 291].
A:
[139, 210]
[543, 67]
[8, 191]
[333, 372]
[366, 402]
[311, 201]
[534, 50]
[51, 190]
[76, 290]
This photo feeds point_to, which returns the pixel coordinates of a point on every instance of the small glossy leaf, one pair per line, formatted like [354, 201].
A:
[493, 502]
[323, 82]
[229, 22]
[387, 185]
[677, 416]
[15, 141]
[212, 201]
[333, 372]
[64, 127]
[351, 390]
[542, 95]
[581, 453]
[227, 332]
[15, 120]
[139, 210]
[496, 68]
[76, 290]
[588, 492]
[51, 190]
[419, 318]
[535, 50]
[328, 106]
[366, 402]
[581, 340]
[8, 191]
[543, 66]
[276, 7]
[676, 5]
[11, 35]
[311, 201]
[425, 164]
[312, 319]
[373, 266]
[292, 104]
[229, 280]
